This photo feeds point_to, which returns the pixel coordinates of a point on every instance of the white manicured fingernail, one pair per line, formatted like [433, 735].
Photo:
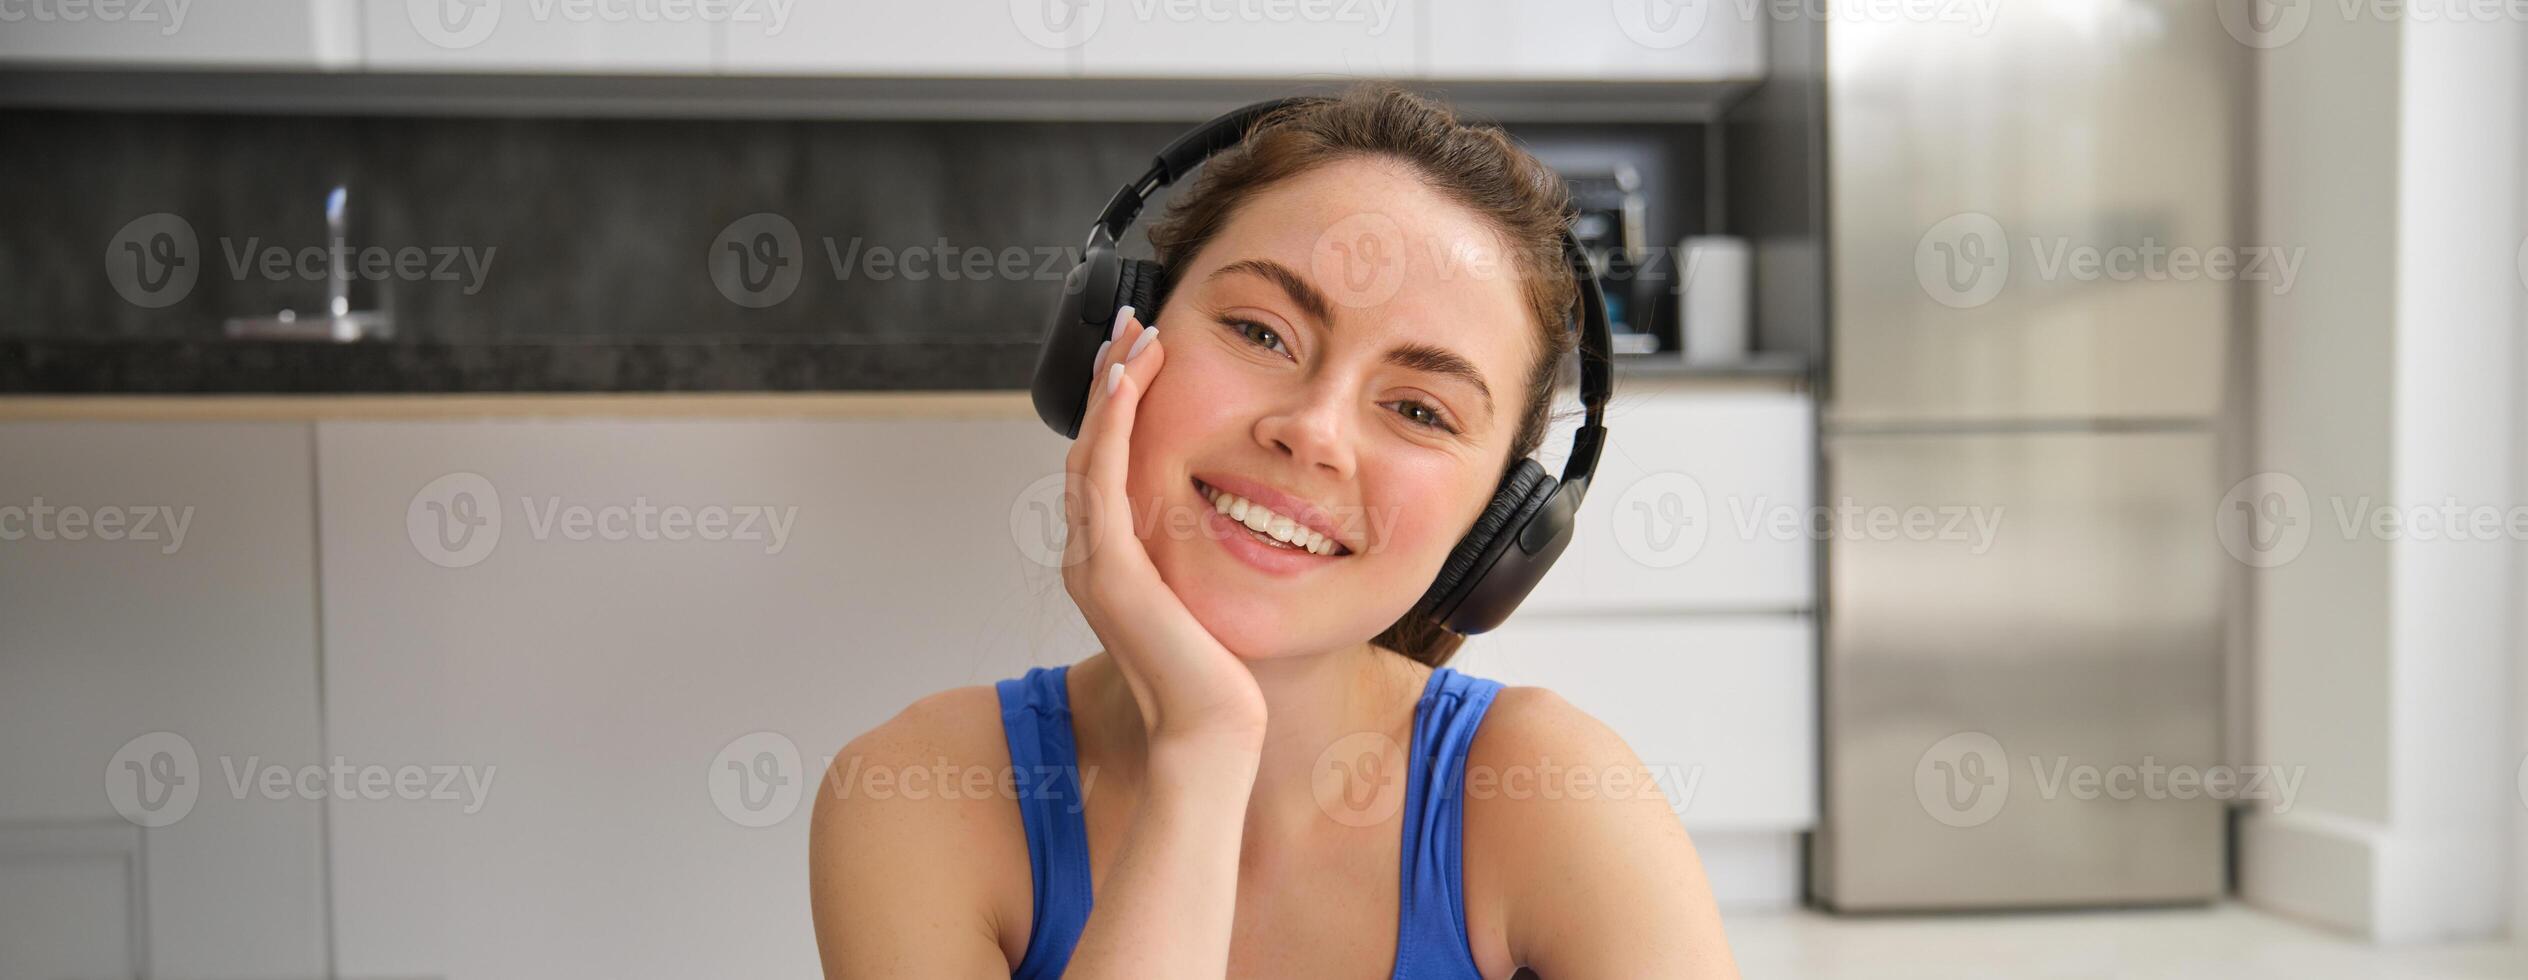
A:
[1114, 377]
[1147, 334]
[1120, 316]
[1101, 351]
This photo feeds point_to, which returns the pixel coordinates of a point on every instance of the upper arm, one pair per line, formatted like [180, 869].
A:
[1592, 872]
[900, 860]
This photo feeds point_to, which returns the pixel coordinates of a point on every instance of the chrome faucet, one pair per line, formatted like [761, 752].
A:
[340, 322]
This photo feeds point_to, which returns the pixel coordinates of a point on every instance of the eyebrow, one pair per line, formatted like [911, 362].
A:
[1410, 356]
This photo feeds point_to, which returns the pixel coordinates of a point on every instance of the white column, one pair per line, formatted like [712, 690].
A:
[2389, 381]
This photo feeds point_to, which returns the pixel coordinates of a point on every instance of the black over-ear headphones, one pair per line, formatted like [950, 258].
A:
[1531, 516]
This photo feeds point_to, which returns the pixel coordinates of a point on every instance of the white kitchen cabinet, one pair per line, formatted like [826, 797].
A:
[1503, 40]
[146, 663]
[1722, 709]
[1722, 705]
[1083, 38]
[1611, 40]
[1703, 501]
[1253, 38]
[154, 34]
[561, 36]
[915, 38]
[612, 678]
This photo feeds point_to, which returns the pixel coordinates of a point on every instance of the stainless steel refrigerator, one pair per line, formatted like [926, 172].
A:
[2000, 354]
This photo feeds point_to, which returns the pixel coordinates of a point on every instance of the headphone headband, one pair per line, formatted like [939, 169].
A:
[1532, 515]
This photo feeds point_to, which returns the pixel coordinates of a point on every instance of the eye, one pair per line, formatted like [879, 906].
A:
[1248, 330]
[1437, 420]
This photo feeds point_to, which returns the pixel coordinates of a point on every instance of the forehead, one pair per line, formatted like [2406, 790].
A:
[1396, 258]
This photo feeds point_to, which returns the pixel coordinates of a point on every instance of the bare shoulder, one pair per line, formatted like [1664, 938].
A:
[962, 723]
[1535, 721]
[914, 849]
[1575, 860]
[1539, 762]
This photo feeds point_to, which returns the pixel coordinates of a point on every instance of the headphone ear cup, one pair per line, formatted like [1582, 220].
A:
[1522, 492]
[1082, 316]
[1137, 286]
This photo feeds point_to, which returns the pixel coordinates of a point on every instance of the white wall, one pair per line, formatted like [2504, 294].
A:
[2519, 586]
[2388, 379]
[2457, 324]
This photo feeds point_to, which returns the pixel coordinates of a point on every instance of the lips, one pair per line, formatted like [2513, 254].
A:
[1299, 510]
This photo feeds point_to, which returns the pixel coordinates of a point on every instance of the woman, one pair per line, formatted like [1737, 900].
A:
[1268, 772]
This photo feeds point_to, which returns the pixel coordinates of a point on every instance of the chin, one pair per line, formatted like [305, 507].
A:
[1259, 627]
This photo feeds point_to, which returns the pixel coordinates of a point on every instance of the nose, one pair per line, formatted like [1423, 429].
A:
[1313, 427]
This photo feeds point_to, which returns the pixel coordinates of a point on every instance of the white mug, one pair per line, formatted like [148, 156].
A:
[1712, 298]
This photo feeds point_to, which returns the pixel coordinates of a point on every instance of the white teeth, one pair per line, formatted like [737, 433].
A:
[1262, 520]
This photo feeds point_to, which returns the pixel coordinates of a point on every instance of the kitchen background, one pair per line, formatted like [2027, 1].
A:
[2062, 516]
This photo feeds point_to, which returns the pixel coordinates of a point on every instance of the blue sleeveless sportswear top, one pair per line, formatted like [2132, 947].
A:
[1431, 940]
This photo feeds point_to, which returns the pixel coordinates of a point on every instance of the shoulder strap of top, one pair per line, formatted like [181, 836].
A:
[1431, 938]
[1036, 718]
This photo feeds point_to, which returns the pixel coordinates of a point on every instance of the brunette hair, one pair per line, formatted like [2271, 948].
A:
[1478, 166]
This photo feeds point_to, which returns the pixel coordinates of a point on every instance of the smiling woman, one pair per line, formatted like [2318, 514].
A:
[1365, 304]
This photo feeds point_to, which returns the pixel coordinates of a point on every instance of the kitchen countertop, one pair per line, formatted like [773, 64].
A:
[133, 367]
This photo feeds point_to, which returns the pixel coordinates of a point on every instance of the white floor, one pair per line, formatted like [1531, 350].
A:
[2227, 942]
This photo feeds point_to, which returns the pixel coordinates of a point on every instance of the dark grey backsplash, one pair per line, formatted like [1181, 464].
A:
[592, 228]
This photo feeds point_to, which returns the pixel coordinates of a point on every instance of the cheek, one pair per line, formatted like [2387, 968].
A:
[1424, 509]
[1184, 408]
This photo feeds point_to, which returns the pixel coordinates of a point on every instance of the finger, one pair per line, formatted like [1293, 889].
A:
[1120, 336]
[1110, 458]
[1076, 460]
[1086, 493]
